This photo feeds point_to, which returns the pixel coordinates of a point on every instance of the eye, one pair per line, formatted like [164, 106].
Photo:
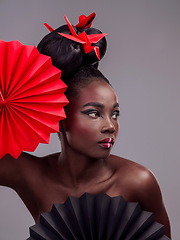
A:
[92, 113]
[115, 115]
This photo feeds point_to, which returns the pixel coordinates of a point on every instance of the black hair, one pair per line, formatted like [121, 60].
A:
[82, 78]
[65, 54]
[78, 68]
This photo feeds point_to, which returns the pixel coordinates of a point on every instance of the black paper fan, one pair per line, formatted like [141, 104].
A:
[97, 217]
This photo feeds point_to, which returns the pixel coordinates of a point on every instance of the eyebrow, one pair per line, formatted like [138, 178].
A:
[97, 104]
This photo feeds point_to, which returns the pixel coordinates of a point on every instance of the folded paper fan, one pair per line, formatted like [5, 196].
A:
[31, 98]
[97, 217]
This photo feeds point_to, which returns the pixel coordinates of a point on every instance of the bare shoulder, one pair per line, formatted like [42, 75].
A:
[141, 186]
[136, 173]
[29, 164]
[11, 169]
[139, 179]
[14, 171]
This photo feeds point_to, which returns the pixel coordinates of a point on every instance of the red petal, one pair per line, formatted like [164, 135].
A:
[85, 22]
[96, 49]
[49, 27]
[94, 38]
[75, 39]
[70, 27]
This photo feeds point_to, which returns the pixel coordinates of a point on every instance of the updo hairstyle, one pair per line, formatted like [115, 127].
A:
[78, 68]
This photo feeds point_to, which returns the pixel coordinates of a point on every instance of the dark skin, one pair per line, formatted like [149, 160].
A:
[85, 163]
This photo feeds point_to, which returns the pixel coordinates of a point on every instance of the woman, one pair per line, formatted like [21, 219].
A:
[87, 136]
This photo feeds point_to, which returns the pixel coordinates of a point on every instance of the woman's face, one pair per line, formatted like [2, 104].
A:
[92, 122]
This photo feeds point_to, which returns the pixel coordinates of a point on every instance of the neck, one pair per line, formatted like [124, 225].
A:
[78, 169]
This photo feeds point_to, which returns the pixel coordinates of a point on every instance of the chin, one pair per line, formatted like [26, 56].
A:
[101, 155]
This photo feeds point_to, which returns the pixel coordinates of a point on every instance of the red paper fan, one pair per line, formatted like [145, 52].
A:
[31, 98]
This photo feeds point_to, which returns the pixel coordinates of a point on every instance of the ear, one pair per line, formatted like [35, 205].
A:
[62, 125]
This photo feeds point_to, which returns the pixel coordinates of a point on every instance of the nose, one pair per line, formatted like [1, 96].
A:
[108, 126]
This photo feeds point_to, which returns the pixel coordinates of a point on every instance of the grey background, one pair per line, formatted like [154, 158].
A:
[143, 65]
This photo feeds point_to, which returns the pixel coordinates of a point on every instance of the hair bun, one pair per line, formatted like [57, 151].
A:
[71, 50]
[66, 55]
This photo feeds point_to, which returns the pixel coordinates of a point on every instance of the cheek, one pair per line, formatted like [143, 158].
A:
[82, 130]
[117, 125]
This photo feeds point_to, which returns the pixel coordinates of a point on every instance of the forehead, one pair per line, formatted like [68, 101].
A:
[97, 91]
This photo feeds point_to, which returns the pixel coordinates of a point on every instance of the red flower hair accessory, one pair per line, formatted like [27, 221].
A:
[84, 39]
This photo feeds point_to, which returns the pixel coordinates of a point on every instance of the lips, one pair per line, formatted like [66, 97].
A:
[107, 142]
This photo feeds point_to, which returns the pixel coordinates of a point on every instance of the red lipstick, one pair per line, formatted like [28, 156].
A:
[107, 142]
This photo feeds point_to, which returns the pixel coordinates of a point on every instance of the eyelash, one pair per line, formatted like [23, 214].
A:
[97, 113]
[117, 113]
[92, 111]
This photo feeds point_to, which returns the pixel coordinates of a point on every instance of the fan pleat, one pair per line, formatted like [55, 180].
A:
[3, 47]
[116, 211]
[10, 143]
[102, 208]
[49, 75]
[13, 143]
[28, 55]
[73, 204]
[41, 131]
[48, 98]
[53, 109]
[40, 232]
[29, 133]
[44, 87]
[87, 203]
[13, 53]
[49, 120]
[50, 221]
[143, 221]
[131, 212]
[57, 226]
[65, 214]
[4, 128]
[30, 70]
[63, 226]
[155, 231]
[163, 238]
